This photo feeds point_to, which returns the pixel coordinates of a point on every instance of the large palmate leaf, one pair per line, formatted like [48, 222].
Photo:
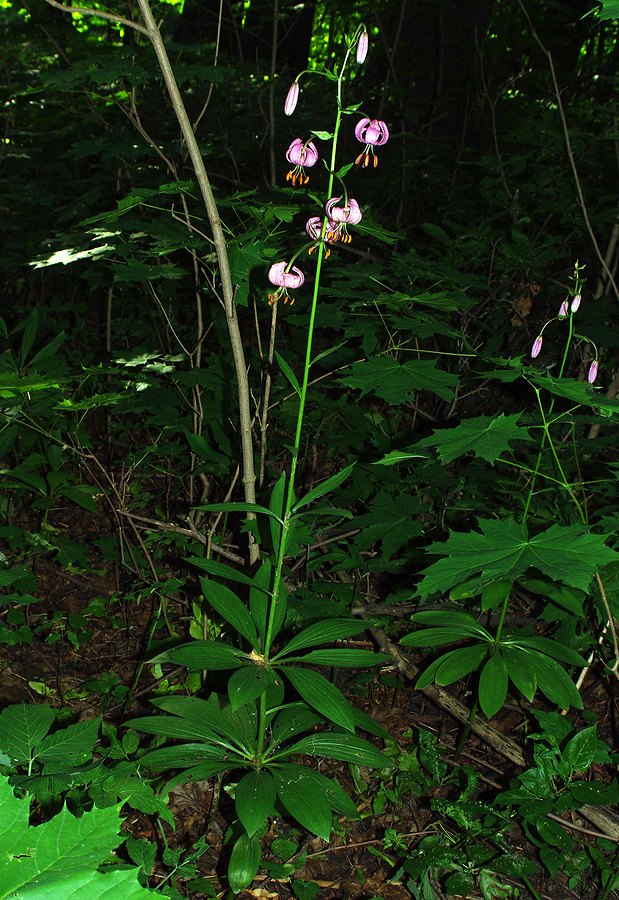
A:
[567, 554]
[389, 519]
[22, 727]
[485, 436]
[396, 382]
[60, 858]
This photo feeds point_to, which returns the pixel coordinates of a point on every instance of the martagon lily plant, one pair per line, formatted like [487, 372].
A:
[275, 694]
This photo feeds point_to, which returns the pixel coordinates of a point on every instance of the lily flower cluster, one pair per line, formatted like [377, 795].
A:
[567, 309]
[339, 212]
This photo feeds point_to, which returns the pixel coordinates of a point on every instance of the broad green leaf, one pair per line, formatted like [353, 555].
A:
[329, 484]
[391, 520]
[609, 10]
[288, 372]
[303, 798]
[396, 383]
[322, 633]
[346, 747]
[248, 684]
[244, 862]
[486, 436]
[503, 551]
[330, 788]
[22, 727]
[493, 685]
[72, 745]
[178, 728]
[495, 594]
[320, 694]
[458, 663]
[203, 655]
[254, 798]
[182, 756]
[350, 658]
[231, 608]
[578, 391]
[59, 858]
[580, 751]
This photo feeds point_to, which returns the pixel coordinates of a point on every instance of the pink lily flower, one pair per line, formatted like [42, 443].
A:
[300, 155]
[284, 276]
[341, 217]
[314, 230]
[290, 104]
[372, 133]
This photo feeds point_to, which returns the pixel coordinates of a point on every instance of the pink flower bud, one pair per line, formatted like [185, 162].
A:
[575, 302]
[536, 349]
[563, 310]
[362, 46]
[593, 372]
[290, 104]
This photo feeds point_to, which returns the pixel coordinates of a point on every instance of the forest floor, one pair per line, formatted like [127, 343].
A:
[89, 643]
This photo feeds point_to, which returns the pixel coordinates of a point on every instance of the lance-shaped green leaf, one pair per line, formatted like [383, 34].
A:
[356, 659]
[276, 505]
[201, 655]
[329, 484]
[520, 672]
[554, 682]
[221, 570]
[244, 862]
[294, 719]
[231, 608]
[346, 747]
[234, 506]
[303, 798]
[547, 646]
[254, 799]
[323, 696]
[248, 684]
[493, 682]
[182, 756]
[321, 633]
[290, 376]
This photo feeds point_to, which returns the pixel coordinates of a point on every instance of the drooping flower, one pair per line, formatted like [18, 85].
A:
[563, 310]
[536, 349]
[340, 217]
[284, 276]
[314, 230]
[300, 155]
[592, 374]
[362, 46]
[575, 302]
[372, 133]
[290, 103]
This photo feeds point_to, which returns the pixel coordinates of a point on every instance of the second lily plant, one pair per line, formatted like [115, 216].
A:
[277, 709]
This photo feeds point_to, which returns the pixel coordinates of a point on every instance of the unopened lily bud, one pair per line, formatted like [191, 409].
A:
[536, 349]
[563, 310]
[575, 302]
[290, 104]
[592, 374]
[362, 46]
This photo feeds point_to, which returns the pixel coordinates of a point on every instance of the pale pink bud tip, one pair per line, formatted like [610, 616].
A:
[563, 310]
[536, 349]
[593, 372]
[575, 302]
[362, 46]
[292, 96]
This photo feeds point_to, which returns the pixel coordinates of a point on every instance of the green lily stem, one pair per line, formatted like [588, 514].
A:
[290, 494]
